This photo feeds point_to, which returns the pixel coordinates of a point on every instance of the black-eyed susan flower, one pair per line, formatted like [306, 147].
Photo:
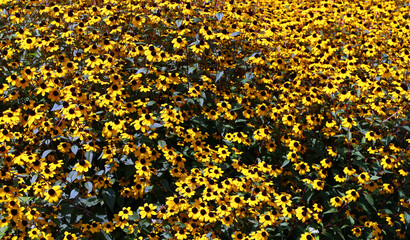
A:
[348, 122]
[125, 212]
[267, 219]
[237, 201]
[363, 177]
[303, 213]
[351, 195]
[288, 120]
[179, 42]
[53, 194]
[69, 236]
[349, 170]
[336, 201]
[400, 233]
[147, 211]
[108, 227]
[82, 166]
[318, 184]
[283, 200]
[238, 235]
[120, 222]
[307, 236]
[302, 167]
[357, 232]
[387, 162]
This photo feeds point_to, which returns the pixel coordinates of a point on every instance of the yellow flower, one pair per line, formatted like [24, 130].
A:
[120, 222]
[108, 227]
[295, 146]
[303, 213]
[372, 136]
[387, 162]
[237, 201]
[302, 167]
[288, 120]
[125, 212]
[69, 236]
[357, 231]
[307, 236]
[348, 122]
[336, 201]
[318, 184]
[326, 163]
[283, 200]
[268, 218]
[179, 42]
[53, 194]
[147, 210]
[363, 177]
[82, 166]
[352, 195]
[349, 171]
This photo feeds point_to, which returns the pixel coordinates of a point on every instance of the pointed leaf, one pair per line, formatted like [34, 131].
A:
[109, 198]
[45, 153]
[74, 149]
[219, 16]
[88, 186]
[57, 107]
[71, 176]
[73, 193]
[219, 75]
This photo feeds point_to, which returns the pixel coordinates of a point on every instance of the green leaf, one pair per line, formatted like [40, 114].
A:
[71, 176]
[33, 178]
[156, 125]
[106, 236]
[135, 216]
[339, 231]
[359, 154]
[178, 22]
[89, 156]
[373, 178]
[310, 194]
[148, 189]
[45, 153]
[165, 184]
[162, 143]
[363, 207]
[332, 210]
[407, 217]
[351, 220]
[91, 201]
[74, 149]
[369, 199]
[167, 235]
[219, 74]
[109, 197]
[235, 34]
[88, 186]
[73, 193]
[386, 211]
[191, 69]
[286, 162]
[328, 235]
[219, 16]
[56, 107]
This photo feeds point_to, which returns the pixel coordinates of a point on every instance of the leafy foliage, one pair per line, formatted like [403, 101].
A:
[204, 119]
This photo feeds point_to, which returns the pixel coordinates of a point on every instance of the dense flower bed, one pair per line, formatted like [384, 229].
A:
[204, 119]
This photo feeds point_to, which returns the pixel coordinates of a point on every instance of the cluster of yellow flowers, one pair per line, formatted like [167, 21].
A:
[188, 119]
